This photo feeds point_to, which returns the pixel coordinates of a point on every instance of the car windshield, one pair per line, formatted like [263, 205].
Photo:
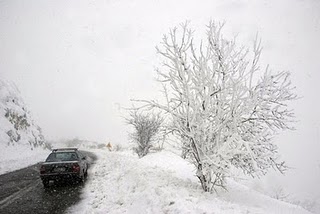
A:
[62, 156]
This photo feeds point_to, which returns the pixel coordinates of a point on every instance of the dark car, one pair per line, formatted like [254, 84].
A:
[65, 164]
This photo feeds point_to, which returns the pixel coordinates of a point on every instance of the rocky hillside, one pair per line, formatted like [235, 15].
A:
[16, 124]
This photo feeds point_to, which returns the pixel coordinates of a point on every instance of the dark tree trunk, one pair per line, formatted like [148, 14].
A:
[202, 178]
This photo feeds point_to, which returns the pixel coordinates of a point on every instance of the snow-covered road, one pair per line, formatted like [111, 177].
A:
[21, 191]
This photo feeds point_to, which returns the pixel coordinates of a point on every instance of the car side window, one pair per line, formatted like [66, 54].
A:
[74, 156]
[80, 155]
[51, 158]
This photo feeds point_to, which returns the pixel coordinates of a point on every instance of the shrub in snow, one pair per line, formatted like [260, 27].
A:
[146, 128]
[101, 146]
[117, 147]
[221, 105]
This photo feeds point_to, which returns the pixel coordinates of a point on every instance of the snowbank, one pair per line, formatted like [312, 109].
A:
[162, 182]
[18, 157]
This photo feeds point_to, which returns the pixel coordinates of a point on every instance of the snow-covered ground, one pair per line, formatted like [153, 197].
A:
[120, 182]
[18, 157]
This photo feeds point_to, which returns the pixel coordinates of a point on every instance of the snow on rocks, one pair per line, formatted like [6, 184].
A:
[120, 182]
[21, 140]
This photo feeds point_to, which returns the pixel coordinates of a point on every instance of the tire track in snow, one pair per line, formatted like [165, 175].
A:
[20, 193]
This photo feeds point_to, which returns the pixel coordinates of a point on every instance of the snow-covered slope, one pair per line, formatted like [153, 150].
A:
[163, 182]
[21, 140]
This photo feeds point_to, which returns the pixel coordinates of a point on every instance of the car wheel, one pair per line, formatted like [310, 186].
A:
[45, 183]
[81, 179]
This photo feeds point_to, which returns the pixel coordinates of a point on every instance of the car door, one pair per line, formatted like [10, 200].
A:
[83, 161]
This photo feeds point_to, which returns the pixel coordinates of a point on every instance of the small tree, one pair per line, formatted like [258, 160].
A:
[221, 105]
[146, 127]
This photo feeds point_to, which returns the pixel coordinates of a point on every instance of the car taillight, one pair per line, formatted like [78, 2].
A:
[75, 167]
[42, 169]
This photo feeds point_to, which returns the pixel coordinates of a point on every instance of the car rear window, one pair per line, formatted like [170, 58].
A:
[62, 156]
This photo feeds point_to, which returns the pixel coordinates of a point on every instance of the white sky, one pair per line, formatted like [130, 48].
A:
[76, 62]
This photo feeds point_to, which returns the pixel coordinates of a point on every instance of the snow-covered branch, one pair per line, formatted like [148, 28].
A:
[222, 105]
[146, 127]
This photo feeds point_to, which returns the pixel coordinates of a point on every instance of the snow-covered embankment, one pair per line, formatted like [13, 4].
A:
[21, 140]
[119, 182]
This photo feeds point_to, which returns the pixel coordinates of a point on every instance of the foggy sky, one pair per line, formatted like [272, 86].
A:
[77, 62]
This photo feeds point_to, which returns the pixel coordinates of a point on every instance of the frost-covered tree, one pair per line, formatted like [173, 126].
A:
[146, 128]
[221, 105]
